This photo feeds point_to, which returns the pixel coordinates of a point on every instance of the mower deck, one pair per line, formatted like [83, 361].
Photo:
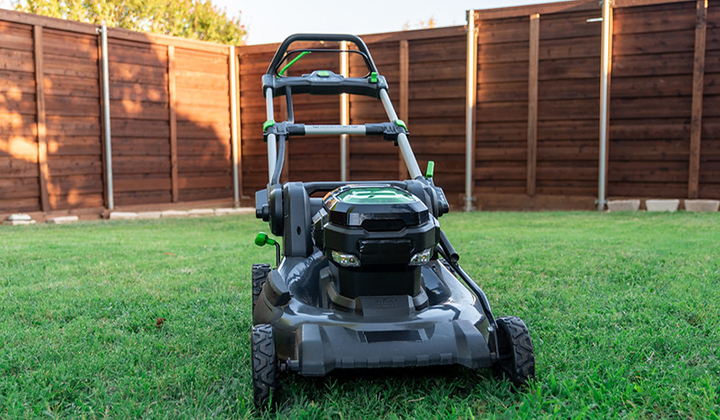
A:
[387, 331]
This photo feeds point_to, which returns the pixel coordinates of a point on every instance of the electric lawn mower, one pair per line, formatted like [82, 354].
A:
[367, 278]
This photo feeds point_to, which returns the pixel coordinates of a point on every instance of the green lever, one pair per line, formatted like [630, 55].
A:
[263, 239]
[287, 66]
[428, 174]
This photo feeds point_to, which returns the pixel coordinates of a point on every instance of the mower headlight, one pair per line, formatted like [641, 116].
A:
[421, 257]
[346, 260]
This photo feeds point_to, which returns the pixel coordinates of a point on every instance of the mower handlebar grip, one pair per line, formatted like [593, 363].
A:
[280, 53]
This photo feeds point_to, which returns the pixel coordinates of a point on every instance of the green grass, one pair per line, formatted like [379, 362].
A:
[624, 311]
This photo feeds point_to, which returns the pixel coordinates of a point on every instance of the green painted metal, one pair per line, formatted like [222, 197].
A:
[263, 239]
[287, 66]
[430, 169]
[376, 195]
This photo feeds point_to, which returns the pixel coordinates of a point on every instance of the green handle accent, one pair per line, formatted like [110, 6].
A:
[287, 66]
[323, 73]
[400, 123]
[430, 169]
[263, 239]
[373, 77]
[268, 123]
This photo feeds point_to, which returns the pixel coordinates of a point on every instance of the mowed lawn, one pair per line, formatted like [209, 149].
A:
[623, 309]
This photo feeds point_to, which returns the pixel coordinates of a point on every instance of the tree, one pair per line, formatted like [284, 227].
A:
[197, 19]
[423, 24]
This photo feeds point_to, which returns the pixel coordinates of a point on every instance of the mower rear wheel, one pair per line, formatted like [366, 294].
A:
[259, 275]
[517, 358]
[264, 365]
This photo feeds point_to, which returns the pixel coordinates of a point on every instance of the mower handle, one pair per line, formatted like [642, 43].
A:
[325, 186]
[280, 53]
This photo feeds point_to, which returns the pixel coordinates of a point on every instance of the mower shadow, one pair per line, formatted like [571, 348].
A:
[395, 389]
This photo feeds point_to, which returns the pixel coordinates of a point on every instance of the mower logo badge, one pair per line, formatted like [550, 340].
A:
[388, 302]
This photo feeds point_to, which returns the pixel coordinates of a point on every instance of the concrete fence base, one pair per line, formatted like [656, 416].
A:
[702, 205]
[662, 205]
[623, 205]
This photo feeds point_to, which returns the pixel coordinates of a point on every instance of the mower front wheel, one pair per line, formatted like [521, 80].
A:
[264, 365]
[259, 275]
[517, 357]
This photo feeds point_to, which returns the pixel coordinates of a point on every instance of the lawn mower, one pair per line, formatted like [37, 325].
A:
[366, 277]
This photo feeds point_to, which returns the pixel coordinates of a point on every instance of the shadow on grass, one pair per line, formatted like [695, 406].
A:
[405, 392]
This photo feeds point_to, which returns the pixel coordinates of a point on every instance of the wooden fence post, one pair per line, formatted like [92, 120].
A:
[43, 170]
[697, 99]
[471, 85]
[238, 95]
[534, 61]
[234, 125]
[404, 97]
[173, 125]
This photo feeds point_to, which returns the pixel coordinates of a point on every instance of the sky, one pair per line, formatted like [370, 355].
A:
[272, 20]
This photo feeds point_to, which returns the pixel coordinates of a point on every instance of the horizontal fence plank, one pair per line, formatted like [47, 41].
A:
[16, 82]
[16, 60]
[16, 37]
[140, 54]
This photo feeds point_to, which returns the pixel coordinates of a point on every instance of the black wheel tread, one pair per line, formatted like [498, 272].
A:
[519, 365]
[259, 275]
[264, 365]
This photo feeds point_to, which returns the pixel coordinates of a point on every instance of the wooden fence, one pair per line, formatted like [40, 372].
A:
[170, 119]
[537, 107]
[541, 149]
[535, 119]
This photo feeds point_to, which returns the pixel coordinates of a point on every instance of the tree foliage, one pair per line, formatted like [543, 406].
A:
[197, 19]
[423, 24]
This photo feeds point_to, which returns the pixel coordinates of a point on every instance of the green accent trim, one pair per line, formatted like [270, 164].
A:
[373, 77]
[263, 239]
[267, 124]
[287, 66]
[323, 73]
[400, 123]
[430, 169]
[375, 195]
